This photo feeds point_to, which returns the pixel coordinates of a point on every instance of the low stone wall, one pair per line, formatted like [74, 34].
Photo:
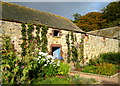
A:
[95, 45]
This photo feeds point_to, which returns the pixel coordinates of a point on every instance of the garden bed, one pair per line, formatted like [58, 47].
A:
[90, 69]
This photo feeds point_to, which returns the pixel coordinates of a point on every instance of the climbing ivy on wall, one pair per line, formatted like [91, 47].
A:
[82, 49]
[68, 45]
[44, 40]
[30, 43]
[24, 38]
[74, 50]
[38, 37]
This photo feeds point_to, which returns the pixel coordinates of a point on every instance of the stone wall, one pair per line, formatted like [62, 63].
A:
[13, 30]
[94, 45]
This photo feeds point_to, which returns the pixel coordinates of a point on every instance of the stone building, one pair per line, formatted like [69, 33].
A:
[58, 28]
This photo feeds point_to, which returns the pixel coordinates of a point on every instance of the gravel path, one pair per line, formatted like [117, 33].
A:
[102, 79]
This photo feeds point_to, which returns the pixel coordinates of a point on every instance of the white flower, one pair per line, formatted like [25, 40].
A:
[49, 56]
[58, 62]
[44, 54]
[39, 57]
[48, 61]
[40, 53]
[45, 64]
[53, 57]
[39, 62]
[53, 65]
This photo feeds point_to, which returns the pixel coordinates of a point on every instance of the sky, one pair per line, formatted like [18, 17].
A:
[64, 8]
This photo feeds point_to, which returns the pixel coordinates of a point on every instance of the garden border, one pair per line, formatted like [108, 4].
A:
[96, 74]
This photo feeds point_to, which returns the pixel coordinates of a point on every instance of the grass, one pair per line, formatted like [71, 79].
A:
[65, 80]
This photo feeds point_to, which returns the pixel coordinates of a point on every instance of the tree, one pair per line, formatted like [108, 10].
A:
[91, 21]
[76, 17]
[112, 13]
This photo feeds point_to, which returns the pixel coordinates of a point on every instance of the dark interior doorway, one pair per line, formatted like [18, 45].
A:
[56, 52]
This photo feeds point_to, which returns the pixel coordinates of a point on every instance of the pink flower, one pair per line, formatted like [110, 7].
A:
[22, 67]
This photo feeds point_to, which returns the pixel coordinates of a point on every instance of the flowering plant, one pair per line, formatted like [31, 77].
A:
[47, 63]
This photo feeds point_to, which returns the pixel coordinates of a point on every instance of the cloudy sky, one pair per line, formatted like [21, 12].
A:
[64, 8]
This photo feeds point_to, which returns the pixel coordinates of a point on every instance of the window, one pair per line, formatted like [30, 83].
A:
[56, 33]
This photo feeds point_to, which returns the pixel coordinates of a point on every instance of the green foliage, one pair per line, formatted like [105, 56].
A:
[101, 69]
[64, 68]
[54, 80]
[68, 45]
[112, 13]
[95, 61]
[89, 69]
[38, 37]
[10, 67]
[69, 80]
[31, 44]
[76, 17]
[24, 38]
[110, 57]
[74, 50]
[81, 81]
[105, 69]
[44, 38]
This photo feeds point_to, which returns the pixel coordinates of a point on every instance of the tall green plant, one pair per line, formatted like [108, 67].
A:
[10, 61]
[24, 38]
[74, 50]
[38, 37]
[44, 40]
[68, 46]
[31, 45]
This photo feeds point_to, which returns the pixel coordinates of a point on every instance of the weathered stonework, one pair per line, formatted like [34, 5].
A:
[92, 45]
[13, 30]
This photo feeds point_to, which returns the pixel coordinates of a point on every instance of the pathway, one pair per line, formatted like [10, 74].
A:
[102, 79]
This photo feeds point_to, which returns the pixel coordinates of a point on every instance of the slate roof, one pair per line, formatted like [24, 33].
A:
[112, 32]
[13, 12]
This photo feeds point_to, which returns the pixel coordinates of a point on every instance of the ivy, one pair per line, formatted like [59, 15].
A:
[68, 45]
[31, 45]
[38, 37]
[81, 49]
[44, 40]
[24, 38]
[74, 50]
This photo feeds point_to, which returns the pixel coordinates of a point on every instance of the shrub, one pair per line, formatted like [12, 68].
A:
[11, 63]
[89, 69]
[111, 57]
[105, 69]
[64, 68]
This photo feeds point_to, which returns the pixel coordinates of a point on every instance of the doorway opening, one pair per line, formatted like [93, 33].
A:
[56, 52]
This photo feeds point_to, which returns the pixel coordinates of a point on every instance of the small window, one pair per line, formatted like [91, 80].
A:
[56, 33]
